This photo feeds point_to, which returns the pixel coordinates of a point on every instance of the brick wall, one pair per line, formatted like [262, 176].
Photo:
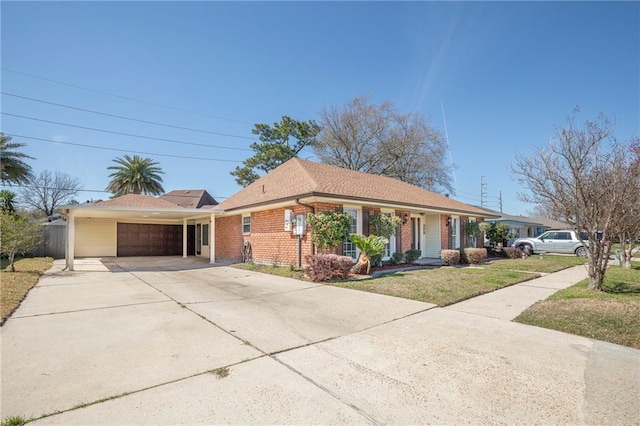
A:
[229, 239]
[444, 232]
[405, 231]
[271, 244]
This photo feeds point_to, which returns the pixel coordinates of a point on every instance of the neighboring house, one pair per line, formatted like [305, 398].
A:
[519, 226]
[263, 215]
[527, 227]
[190, 198]
[550, 224]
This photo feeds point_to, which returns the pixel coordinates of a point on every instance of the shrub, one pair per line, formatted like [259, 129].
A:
[463, 256]
[327, 267]
[450, 257]
[475, 255]
[329, 229]
[396, 258]
[411, 256]
[512, 252]
[376, 260]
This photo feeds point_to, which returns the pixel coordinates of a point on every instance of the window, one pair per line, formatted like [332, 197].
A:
[205, 234]
[246, 224]
[349, 249]
[386, 253]
[563, 236]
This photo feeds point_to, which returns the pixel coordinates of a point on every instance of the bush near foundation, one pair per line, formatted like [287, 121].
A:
[411, 256]
[450, 257]
[475, 256]
[328, 267]
[512, 252]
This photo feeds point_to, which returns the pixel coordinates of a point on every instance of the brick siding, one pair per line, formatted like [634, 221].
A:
[444, 232]
[229, 240]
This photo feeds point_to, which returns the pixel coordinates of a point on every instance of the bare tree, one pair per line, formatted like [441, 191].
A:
[48, 190]
[378, 139]
[582, 176]
[628, 224]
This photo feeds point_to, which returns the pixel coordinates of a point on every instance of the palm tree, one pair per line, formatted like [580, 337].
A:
[135, 175]
[369, 246]
[12, 168]
[7, 198]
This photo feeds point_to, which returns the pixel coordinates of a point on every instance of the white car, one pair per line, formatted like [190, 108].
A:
[557, 241]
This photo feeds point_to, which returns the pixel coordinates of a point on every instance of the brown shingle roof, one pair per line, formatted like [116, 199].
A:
[190, 198]
[137, 200]
[301, 178]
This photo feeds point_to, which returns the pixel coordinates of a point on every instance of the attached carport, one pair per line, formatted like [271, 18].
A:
[138, 225]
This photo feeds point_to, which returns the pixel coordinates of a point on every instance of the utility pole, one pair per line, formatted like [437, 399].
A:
[483, 191]
[500, 200]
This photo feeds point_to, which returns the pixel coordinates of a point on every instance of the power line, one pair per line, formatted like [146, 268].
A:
[125, 118]
[124, 134]
[71, 189]
[122, 97]
[123, 150]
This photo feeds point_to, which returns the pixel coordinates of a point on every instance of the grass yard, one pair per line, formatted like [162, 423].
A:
[281, 271]
[14, 286]
[612, 315]
[534, 263]
[441, 286]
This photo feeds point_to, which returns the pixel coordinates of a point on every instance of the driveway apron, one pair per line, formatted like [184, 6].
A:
[217, 345]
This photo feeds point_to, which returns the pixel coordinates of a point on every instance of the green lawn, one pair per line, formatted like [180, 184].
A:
[536, 263]
[612, 315]
[441, 286]
[280, 271]
[14, 286]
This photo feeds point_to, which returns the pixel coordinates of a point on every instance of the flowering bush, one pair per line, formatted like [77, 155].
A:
[450, 257]
[384, 224]
[329, 229]
[475, 255]
[327, 267]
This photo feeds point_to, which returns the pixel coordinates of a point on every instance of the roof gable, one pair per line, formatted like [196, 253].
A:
[297, 178]
[189, 198]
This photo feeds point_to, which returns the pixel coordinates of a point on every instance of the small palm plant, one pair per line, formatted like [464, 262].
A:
[369, 246]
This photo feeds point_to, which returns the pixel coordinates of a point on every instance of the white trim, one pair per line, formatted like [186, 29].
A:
[242, 224]
[212, 239]
[184, 238]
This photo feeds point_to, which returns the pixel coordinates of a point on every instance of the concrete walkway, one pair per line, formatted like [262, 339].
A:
[509, 302]
[141, 345]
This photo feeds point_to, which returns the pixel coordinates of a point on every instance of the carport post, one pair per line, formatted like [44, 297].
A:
[71, 239]
[184, 238]
[212, 240]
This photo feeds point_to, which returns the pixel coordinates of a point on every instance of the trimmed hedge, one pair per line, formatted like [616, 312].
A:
[512, 252]
[411, 256]
[475, 255]
[328, 267]
[450, 257]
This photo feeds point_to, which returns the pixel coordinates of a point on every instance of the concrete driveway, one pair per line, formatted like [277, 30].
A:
[138, 341]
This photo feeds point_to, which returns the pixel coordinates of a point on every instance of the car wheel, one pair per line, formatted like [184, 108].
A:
[527, 249]
[581, 252]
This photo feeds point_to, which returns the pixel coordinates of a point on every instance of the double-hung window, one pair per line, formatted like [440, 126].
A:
[246, 224]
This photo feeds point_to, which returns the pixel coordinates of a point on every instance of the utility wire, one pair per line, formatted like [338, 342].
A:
[126, 118]
[69, 189]
[123, 97]
[123, 150]
[123, 134]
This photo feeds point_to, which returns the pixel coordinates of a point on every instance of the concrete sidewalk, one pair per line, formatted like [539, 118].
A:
[507, 303]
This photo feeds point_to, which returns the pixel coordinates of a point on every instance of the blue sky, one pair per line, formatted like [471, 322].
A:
[506, 73]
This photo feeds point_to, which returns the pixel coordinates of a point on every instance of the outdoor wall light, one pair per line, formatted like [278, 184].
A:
[405, 218]
[448, 221]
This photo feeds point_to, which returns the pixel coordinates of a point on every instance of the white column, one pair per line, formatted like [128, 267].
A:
[212, 239]
[184, 238]
[71, 239]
